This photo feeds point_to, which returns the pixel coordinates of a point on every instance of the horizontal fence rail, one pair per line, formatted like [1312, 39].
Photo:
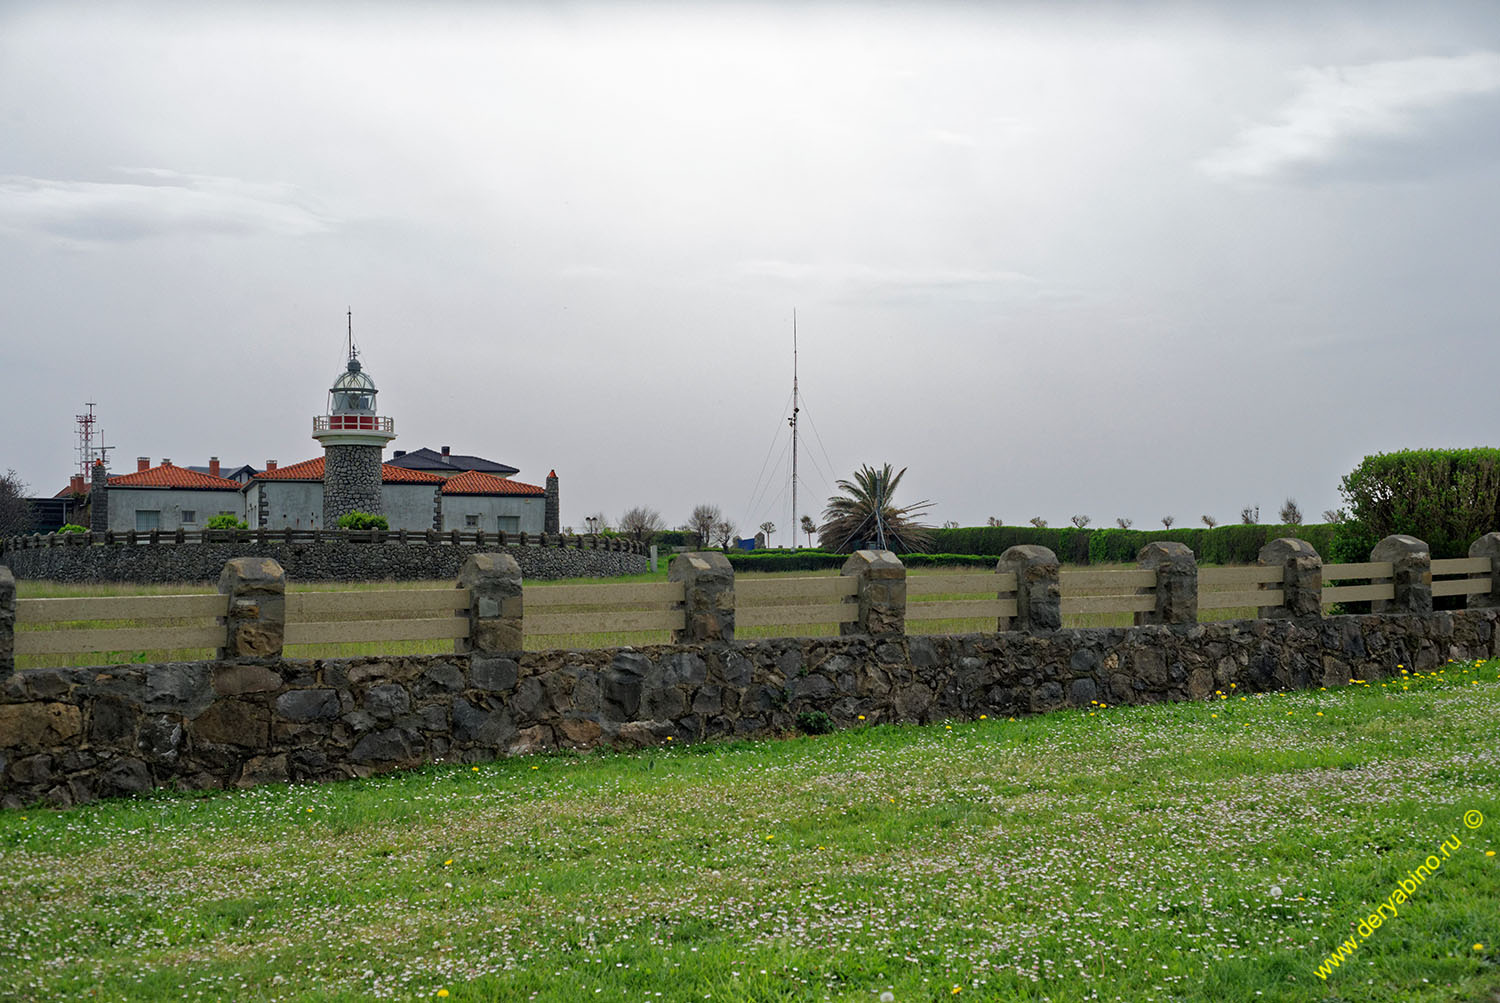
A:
[593, 615]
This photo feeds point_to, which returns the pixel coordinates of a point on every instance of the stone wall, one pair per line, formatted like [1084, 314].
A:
[71, 735]
[333, 561]
[351, 481]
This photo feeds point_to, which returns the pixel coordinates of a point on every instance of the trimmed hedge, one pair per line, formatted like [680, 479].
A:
[1447, 498]
[1237, 544]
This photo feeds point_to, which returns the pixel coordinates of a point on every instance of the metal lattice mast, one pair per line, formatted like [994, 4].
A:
[793, 422]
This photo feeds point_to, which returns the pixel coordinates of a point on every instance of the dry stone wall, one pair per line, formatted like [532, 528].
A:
[71, 735]
[326, 561]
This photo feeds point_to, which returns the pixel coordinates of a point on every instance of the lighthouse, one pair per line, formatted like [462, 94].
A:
[354, 438]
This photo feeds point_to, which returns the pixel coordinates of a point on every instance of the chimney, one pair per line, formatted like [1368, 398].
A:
[399, 453]
[213, 466]
[76, 484]
[142, 463]
[445, 455]
[270, 464]
[166, 461]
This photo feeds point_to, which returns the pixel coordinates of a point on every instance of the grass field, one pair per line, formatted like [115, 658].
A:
[42, 589]
[1208, 851]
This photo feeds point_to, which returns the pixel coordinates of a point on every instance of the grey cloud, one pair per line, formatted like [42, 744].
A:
[871, 279]
[154, 202]
[1360, 114]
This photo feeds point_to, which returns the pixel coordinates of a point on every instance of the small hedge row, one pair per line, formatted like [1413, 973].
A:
[980, 546]
[1237, 544]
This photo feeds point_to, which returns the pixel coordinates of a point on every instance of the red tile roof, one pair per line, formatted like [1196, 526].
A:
[173, 477]
[312, 470]
[474, 482]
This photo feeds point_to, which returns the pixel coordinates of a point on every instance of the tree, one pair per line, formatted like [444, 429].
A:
[1210, 521]
[1038, 522]
[1167, 520]
[702, 522]
[768, 527]
[1081, 521]
[1290, 514]
[641, 523]
[597, 523]
[1123, 522]
[1250, 515]
[950, 524]
[993, 520]
[723, 533]
[15, 510]
[809, 528]
[1445, 497]
[865, 515]
[1334, 515]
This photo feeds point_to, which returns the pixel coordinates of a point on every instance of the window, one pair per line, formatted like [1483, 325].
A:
[510, 524]
[147, 519]
[471, 521]
[189, 515]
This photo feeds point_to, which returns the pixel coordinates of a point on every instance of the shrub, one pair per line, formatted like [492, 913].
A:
[1445, 497]
[224, 521]
[72, 527]
[363, 520]
[814, 722]
[785, 560]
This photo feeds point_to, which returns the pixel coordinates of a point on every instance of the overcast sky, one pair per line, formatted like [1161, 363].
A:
[1056, 259]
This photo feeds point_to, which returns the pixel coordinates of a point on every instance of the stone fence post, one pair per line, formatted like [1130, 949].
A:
[1301, 581]
[7, 622]
[255, 622]
[708, 597]
[1411, 575]
[1487, 545]
[1176, 582]
[495, 606]
[1038, 588]
[879, 593]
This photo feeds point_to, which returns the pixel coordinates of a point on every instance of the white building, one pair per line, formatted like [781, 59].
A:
[170, 498]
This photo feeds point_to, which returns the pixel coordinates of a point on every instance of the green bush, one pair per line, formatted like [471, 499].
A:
[814, 722]
[1447, 498]
[72, 527]
[784, 560]
[224, 521]
[667, 538]
[363, 520]
[948, 560]
[1237, 544]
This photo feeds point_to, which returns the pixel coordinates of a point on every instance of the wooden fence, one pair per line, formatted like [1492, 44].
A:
[774, 605]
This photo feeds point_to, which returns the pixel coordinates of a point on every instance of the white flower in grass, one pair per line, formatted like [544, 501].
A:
[1276, 891]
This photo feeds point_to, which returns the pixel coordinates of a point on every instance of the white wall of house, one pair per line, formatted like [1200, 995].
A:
[169, 509]
[289, 504]
[409, 506]
[511, 513]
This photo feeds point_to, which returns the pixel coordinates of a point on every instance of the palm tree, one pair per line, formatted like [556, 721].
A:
[864, 515]
[809, 527]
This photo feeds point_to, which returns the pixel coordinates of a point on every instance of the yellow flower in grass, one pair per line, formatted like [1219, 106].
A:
[442, 992]
[1478, 947]
[957, 990]
[448, 863]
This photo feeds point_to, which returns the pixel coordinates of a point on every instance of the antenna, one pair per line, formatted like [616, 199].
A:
[87, 451]
[793, 422]
[351, 332]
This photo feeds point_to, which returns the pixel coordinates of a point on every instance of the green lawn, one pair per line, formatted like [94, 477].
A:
[1209, 851]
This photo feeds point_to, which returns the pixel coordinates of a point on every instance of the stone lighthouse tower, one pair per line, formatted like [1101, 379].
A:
[354, 439]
